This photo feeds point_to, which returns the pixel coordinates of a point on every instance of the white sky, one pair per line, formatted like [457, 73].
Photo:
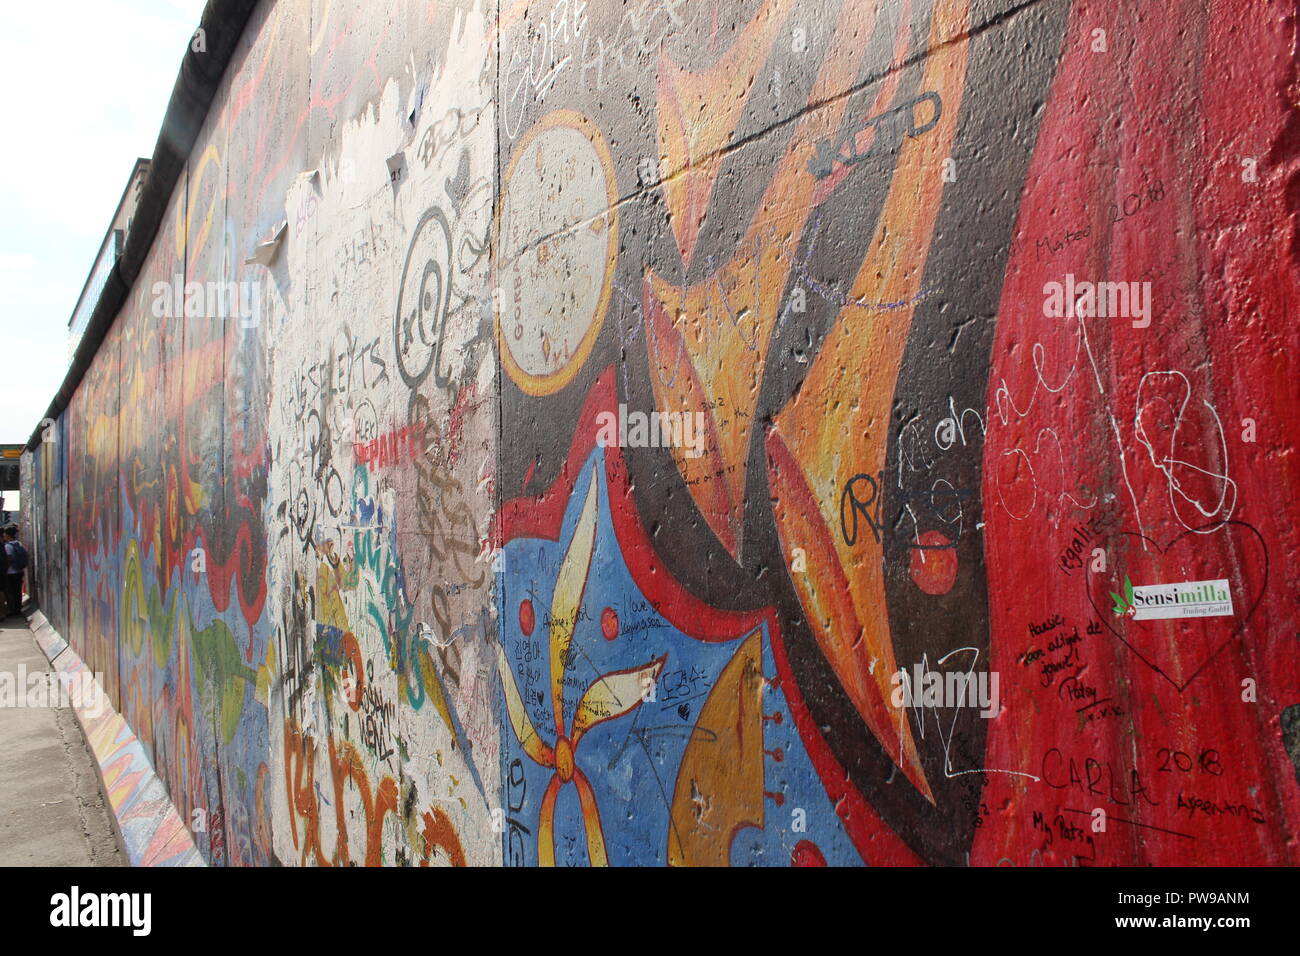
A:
[85, 85]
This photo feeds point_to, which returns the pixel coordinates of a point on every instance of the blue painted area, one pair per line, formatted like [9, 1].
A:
[631, 761]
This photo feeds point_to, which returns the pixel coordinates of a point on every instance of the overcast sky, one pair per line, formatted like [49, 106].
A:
[86, 83]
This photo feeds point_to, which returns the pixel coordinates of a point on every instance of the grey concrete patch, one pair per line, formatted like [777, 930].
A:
[52, 811]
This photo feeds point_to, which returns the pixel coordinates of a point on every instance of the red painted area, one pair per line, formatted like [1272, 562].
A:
[609, 624]
[934, 563]
[805, 853]
[1156, 416]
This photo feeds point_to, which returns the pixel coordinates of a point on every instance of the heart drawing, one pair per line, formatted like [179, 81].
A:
[1179, 649]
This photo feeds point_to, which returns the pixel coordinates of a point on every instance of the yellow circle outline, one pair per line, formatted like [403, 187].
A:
[555, 381]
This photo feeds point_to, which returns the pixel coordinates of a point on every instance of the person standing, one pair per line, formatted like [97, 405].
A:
[4, 579]
[16, 556]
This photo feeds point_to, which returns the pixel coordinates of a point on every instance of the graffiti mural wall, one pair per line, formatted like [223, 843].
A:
[786, 432]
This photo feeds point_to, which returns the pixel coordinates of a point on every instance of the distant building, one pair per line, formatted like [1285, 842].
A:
[109, 250]
[9, 482]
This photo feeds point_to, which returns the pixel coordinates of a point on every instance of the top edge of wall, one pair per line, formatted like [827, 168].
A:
[223, 23]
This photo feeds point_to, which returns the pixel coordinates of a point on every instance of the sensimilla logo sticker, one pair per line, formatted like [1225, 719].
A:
[1151, 602]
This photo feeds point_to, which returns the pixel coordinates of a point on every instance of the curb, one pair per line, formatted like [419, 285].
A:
[148, 827]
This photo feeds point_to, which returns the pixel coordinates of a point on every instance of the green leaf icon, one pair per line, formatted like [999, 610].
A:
[1120, 604]
[1128, 590]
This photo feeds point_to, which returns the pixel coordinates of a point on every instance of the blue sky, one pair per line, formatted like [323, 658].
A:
[86, 83]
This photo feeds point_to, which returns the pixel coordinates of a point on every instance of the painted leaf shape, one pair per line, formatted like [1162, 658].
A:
[614, 695]
[533, 745]
[570, 584]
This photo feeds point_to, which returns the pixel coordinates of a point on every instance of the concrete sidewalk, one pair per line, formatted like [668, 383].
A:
[52, 811]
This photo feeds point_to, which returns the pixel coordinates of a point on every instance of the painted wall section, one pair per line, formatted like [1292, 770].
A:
[703, 434]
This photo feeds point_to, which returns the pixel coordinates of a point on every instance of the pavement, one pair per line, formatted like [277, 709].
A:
[52, 811]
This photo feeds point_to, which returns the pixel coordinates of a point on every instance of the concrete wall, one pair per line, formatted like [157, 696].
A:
[387, 571]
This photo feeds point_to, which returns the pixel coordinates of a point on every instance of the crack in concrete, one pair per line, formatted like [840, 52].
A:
[72, 736]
